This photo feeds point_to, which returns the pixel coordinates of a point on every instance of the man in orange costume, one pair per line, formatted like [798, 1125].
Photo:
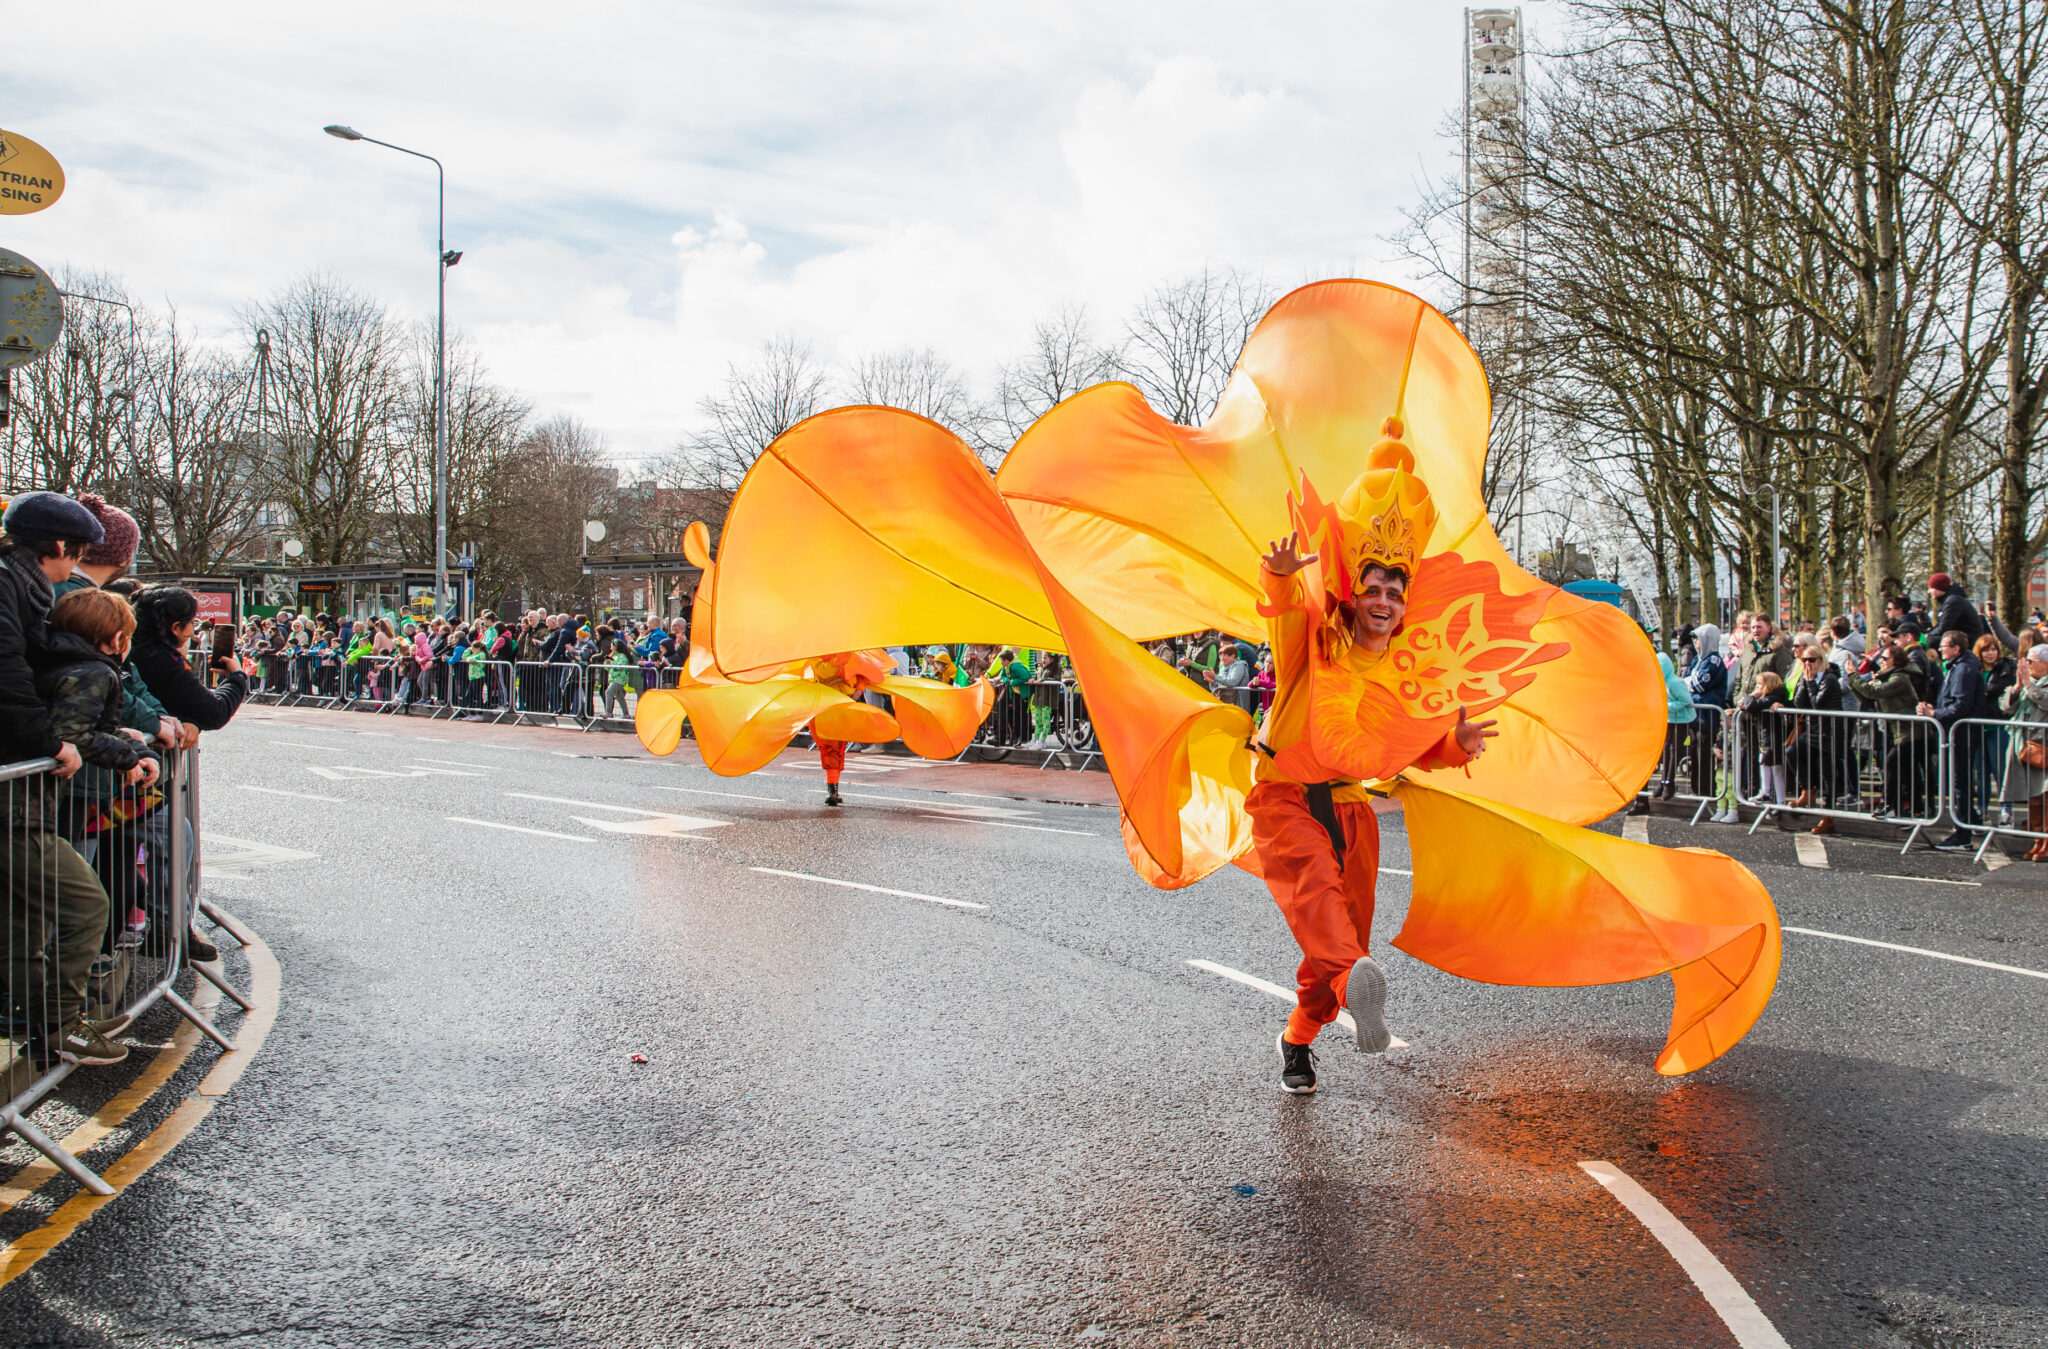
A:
[1313, 827]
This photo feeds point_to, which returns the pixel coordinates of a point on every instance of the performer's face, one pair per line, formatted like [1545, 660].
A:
[1381, 601]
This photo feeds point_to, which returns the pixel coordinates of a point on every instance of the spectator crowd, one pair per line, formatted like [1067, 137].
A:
[1932, 675]
[100, 677]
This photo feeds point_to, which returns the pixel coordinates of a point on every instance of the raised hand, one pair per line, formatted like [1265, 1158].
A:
[1280, 558]
[1473, 735]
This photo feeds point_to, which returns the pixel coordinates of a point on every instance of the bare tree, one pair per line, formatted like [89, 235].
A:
[1064, 358]
[71, 410]
[198, 478]
[529, 532]
[918, 379]
[1182, 341]
[337, 394]
[486, 425]
[758, 402]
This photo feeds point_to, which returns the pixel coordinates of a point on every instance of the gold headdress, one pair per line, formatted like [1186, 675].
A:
[1383, 519]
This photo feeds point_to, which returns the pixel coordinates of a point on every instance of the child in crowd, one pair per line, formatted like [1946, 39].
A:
[1769, 693]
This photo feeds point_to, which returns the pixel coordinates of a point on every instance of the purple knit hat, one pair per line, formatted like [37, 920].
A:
[118, 548]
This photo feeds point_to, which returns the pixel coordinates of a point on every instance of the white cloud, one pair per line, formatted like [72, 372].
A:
[645, 192]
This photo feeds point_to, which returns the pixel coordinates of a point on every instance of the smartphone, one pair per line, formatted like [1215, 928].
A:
[223, 642]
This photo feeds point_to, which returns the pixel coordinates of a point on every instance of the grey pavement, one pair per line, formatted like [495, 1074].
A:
[872, 1119]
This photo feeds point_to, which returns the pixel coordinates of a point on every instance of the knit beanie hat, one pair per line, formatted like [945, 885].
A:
[117, 549]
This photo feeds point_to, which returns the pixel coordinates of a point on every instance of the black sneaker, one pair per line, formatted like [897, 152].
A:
[1297, 1067]
[832, 795]
[1959, 841]
[199, 949]
[1365, 997]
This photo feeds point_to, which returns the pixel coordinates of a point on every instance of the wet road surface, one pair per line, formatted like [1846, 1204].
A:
[871, 1118]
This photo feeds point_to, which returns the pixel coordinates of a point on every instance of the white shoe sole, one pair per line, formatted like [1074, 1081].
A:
[1365, 997]
[1278, 1048]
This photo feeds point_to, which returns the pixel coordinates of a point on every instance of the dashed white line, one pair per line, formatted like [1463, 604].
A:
[1636, 828]
[1931, 880]
[279, 791]
[1811, 851]
[876, 889]
[1284, 994]
[463, 763]
[519, 829]
[1922, 951]
[1395, 871]
[1729, 1299]
[304, 744]
[1005, 824]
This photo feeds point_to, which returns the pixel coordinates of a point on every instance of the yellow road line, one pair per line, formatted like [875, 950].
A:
[21, 1254]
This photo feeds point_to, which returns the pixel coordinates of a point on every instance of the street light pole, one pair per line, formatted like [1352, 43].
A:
[445, 259]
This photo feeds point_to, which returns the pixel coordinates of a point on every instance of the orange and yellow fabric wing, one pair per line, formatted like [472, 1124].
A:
[1508, 896]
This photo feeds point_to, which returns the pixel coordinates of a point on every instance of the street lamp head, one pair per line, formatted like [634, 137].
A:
[451, 257]
[343, 133]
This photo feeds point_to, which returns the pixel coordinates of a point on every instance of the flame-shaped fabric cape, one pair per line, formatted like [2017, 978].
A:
[1143, 528]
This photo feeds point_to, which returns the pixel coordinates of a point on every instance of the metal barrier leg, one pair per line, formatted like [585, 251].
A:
[59, 1158]
[223, 985]
[193, 1015]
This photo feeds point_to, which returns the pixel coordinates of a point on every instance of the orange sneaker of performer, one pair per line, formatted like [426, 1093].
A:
[1313, 827]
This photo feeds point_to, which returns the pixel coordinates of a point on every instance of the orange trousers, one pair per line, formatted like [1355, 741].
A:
[832, 756]
[1328, 909]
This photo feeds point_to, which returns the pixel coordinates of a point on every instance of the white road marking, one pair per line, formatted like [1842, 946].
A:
[302, 744]
[1931, 880]
[679, 821]
[279, 791]
[1812, 852]
[1005, 824]
[1394, 871]
[344, 772]
[1636, 828]
[1284, 994]
[226, 858]
[1922, 951]
[443, 772]
[519, 829]
[706, 791]
[877, 889]
[1729, 1299]
[661, 826]
[1996, 860]
[462, 763]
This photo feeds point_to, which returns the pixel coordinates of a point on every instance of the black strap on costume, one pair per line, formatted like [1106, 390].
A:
[1324, 808]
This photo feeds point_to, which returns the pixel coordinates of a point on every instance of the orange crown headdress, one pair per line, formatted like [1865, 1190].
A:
[1383, 519]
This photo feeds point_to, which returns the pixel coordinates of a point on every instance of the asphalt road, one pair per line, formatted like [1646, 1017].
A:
[874, 1119]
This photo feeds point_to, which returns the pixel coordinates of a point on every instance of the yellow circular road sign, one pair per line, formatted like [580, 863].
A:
[30, 176]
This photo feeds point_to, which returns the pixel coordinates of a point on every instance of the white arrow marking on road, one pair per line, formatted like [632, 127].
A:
[462, 763]
[224, 857]
[668, 818]
[875, 889]
[959, 818]
[345, 772]
[661, 826]
[1729, 1299]
[279, 791]
[1284, 994]
[1921, 951]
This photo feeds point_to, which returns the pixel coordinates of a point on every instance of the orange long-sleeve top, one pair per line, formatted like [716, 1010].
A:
[1293, 618]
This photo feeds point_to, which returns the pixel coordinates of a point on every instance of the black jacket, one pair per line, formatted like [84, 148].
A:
[82, 686]
[25, 599]
[1821, 693]
[181, 692]
[1956, 615]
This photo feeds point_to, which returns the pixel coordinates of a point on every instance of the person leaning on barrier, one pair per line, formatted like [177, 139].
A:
[2026, 763]
[54, 902]
[1961, 698]
[1817, 747]
[103, 566]
[1895, 690]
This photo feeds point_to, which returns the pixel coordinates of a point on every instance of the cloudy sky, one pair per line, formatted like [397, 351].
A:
[646, 191]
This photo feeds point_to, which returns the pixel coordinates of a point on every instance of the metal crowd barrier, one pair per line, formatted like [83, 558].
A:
[1690, 766]
[1011, 727]
[102, 880]
[1883, 767]
[1982, 752]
